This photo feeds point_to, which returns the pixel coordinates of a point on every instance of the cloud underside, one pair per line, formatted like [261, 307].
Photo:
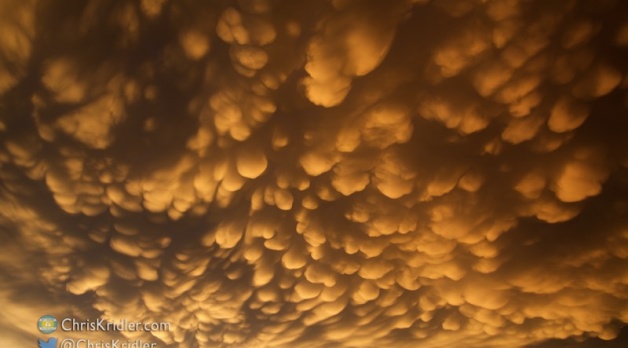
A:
[330, 173]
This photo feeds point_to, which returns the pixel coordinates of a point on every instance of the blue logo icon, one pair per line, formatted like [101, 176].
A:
[47, 324]
[51, 343]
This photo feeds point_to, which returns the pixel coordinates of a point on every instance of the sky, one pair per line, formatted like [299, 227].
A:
[320, 173]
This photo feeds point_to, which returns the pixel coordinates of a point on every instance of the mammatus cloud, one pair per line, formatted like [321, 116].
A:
[318, 173]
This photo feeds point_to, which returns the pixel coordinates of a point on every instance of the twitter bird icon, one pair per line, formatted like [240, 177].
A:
[51, 343]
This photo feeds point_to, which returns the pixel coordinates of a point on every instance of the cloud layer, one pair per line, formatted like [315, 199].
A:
[317, 174]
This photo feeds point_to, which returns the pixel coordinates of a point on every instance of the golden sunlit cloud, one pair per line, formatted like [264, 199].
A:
[346, 173]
